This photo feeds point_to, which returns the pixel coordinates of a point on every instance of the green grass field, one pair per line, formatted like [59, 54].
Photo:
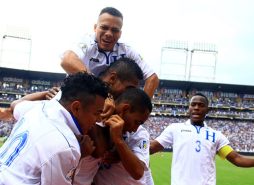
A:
[226, 173]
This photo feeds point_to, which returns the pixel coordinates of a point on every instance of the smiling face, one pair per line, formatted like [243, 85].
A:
[198, 109]
[108, 31]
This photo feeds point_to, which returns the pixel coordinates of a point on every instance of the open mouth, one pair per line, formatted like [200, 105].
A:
[106, 41]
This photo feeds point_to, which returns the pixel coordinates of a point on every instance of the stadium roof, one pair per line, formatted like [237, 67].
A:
[187, 85]
[32, 74]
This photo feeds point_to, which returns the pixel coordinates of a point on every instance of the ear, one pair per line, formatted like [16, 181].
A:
[95, 27]
[125, 108]
[113, 77]
[75, 108]
[208, 110]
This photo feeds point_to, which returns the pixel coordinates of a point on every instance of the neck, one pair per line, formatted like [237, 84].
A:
[197, 123]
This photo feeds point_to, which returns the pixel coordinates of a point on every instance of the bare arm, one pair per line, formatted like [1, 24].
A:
[72, 64]
[155, 146]
[30, 97]
[100, 137]
[151, 85]
[240, 160]
[132, 164]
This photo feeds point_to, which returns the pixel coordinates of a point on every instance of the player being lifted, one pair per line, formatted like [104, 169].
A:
[95, 52]
[194, 147]
[43, 148]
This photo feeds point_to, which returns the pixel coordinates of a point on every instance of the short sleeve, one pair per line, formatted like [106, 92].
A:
[166, 136]
[131, 53]
[79, 47]
[222, 141]
[141, 146]
[22, 108]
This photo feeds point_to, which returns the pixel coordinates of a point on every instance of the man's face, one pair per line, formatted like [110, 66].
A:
[198, 109]
[88, 115]
[108, 31]
[118, 87]
[133, 120]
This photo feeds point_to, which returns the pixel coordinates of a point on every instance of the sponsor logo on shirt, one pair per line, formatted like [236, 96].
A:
[70, 174]
[94, 60]
[185, 130]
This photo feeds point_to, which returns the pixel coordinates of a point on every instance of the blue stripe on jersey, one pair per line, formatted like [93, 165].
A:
[198, 130]
[76, 123]
[62, 134]
[107, 56]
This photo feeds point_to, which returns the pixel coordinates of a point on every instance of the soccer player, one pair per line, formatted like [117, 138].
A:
[43, 148]
[130, 139]
[194, 147]
[95, 52]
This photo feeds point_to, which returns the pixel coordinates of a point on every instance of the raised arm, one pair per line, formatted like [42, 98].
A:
[132, 164]
[151, 85]
[240, 160]
[155, 146]
[72, 64]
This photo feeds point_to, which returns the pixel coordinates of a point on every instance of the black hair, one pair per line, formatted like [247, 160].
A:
[83, 87]
[200, 94]
[138, 100]
[112, 11]
[125, 68]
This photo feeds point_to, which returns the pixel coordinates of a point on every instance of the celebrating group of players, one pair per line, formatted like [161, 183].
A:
[91, 131]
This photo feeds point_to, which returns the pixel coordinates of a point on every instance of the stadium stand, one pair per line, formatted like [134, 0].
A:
[232, 106]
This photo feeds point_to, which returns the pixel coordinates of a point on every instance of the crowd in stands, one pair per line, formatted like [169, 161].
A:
[239, 133]
[228, 102]
[231, 113]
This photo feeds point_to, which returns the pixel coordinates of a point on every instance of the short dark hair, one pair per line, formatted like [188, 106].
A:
[112, 11]
[125, 68]
[81, 87]
[136, 98]
[200, 94]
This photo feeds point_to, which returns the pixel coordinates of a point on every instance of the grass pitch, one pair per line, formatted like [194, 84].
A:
[226, 173]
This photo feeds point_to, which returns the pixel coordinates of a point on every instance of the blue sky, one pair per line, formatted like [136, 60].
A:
[228, 23]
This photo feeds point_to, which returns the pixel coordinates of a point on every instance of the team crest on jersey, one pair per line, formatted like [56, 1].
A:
[140, 57]
[144, 145]
[70, 174]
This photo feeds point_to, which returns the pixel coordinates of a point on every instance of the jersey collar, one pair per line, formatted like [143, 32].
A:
[188, 122]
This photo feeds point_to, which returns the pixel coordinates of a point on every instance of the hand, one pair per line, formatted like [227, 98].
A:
[116, 128]
[109, 108]
[6, 114]
[111, 157]
[86, 145]
[52, 93]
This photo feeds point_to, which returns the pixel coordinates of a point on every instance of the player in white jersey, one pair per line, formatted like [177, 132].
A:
[195, 146]
[43, 148]
[130, 140]
[96, 52]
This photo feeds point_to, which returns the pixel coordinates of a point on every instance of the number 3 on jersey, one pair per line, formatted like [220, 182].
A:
[22, 140]
[198, 147]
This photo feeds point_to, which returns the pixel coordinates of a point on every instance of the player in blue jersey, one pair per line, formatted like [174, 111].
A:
[195, 146]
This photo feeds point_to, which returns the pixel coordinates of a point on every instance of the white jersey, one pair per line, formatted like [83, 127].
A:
[194, 152]
[97, 61]
[86, 170]
[116, 174]
[42, 148]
